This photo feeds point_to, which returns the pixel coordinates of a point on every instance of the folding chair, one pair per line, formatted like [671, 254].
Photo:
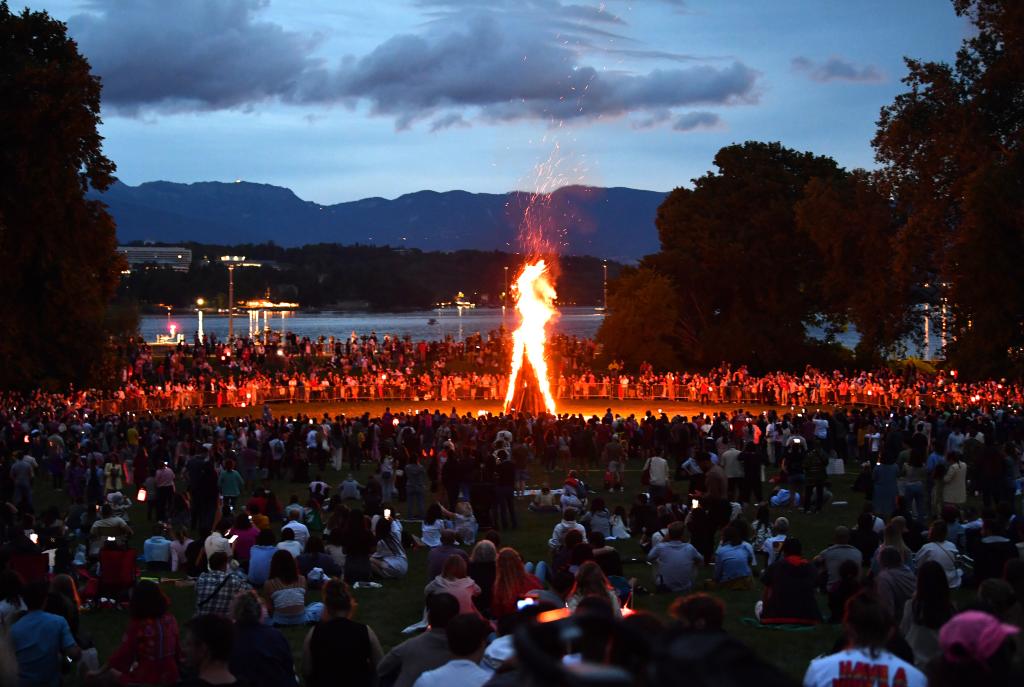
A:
[117, 573]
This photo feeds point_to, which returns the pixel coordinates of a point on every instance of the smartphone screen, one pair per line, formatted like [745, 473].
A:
[387, 513]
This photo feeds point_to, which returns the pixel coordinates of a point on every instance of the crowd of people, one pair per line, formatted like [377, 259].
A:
[249, 372]
[272, 520]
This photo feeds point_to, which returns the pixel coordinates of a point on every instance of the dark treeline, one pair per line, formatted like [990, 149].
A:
[331, 275]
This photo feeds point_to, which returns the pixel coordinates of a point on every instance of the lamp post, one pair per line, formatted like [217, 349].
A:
[231, 262]
[200, 302]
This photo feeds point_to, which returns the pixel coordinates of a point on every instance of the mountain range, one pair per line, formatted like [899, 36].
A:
[613, 223]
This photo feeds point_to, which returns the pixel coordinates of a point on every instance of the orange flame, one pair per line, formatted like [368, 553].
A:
[535, 297]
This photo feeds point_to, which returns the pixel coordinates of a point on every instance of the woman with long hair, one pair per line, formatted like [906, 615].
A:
[926, 612]
[511, 583]
[358, 542]
[455, 580]
[389, 560]
[149, 652]
[591, 581]
[285, 593]
[892, 536]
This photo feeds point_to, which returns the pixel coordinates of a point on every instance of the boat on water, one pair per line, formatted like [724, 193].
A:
[459, 302]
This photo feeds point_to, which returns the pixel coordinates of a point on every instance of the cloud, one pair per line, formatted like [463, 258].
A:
[837, 69]
[694, 121]
[448, 121]
[488, 60]
[190, 54]
[508, 76]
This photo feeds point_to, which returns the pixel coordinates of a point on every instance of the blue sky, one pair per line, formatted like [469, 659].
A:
[341, 100]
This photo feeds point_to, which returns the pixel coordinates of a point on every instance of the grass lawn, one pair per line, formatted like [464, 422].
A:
[399, 603]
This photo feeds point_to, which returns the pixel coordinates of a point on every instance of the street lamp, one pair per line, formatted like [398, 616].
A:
[200, 302]
[231, 262]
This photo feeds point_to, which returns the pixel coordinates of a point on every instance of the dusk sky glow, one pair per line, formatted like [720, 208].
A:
[341, 100]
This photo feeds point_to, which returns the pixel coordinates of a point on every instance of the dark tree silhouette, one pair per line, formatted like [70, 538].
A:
[60, 267]
[951, 150]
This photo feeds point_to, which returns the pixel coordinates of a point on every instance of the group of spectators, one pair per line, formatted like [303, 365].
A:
[361, 493]
[248, 371]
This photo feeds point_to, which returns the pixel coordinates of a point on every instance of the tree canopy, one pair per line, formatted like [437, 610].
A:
[761, 249]
[950, 149]
[58, 249]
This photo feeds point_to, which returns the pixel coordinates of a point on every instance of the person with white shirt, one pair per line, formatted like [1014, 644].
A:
[868, 626]
[942, 552]
[300, 530]
[289, 544]
[467, 639]
[773, 545]
[657, 470]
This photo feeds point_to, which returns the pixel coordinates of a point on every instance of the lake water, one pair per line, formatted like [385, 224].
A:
[572, 321]
[578, 321]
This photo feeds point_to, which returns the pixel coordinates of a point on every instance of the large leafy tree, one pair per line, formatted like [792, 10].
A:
[744, 280]
[643, 323]
[60, 266]
[950, 149]
[854, 229]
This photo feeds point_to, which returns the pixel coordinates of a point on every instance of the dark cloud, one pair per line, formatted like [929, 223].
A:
[190, 54]
[837, 69]
[493, 60]
[693, 121]
[522, 76]
[448, 121]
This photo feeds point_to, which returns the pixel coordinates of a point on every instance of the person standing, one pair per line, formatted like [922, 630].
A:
[505, 486]
[657, 471]
[415, 488]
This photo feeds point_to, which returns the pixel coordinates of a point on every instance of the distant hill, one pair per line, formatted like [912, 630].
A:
[615, 223]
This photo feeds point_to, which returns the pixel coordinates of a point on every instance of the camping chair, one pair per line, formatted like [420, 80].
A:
[117, 573]
[32, 567]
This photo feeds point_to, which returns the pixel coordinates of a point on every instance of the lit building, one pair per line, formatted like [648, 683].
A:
[172, 257]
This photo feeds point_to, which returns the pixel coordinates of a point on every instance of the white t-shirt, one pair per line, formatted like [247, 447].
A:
[857, 668]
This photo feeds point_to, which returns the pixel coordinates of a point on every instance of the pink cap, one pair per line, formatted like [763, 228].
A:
[978, 635]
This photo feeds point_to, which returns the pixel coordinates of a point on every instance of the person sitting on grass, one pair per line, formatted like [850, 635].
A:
[149, 651]
[217, 586]
[868, 628]
[543, 501]
[285, 593]
[568, 523]
[389, 560]
[733, 561]
[698, 613]
[467, 639]
[206, 650]
[261, 655]
[288, 543]
[790, 583]
[402, 665]
[39, 639]
[676, 561]
[338, 650]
